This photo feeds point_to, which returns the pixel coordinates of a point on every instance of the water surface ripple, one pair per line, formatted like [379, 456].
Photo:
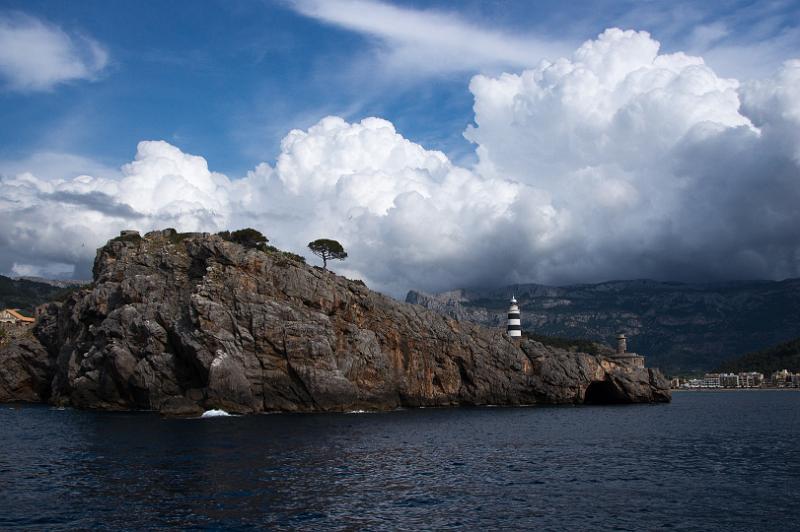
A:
[711, 461]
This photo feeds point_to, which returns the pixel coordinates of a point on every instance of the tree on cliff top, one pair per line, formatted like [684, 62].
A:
[327, 250]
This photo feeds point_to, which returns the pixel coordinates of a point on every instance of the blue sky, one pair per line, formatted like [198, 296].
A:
[229, 79]
[515, 141]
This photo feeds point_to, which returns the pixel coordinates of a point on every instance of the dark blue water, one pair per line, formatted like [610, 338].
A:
[712, 461]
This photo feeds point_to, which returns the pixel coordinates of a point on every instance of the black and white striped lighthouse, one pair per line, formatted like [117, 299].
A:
[514, 327]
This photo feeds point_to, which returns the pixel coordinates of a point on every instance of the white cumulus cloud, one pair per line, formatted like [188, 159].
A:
[616, 162]
[35, 55]
[658, 164]
[46, 221]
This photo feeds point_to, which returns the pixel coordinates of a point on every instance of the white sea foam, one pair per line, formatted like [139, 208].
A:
[215, 413]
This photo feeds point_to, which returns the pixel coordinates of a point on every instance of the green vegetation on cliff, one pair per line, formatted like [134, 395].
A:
[250, 238]
[247, 237]
[579, 345]
[781, 356]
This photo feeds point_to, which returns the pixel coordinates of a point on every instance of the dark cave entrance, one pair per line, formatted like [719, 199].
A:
[602, 393]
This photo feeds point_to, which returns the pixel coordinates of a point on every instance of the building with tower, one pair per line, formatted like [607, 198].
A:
[514, 326]
[622, 351]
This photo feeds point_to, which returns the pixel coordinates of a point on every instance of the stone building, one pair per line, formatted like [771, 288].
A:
[622, 351]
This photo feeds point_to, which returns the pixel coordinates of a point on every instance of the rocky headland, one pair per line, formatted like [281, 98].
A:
[183, 323]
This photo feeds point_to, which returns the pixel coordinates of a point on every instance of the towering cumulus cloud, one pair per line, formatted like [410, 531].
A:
[403, 212]
[615, 163]
[653, 161]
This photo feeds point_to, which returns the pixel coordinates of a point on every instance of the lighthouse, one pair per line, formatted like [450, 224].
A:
[622, 343]
[514, 327]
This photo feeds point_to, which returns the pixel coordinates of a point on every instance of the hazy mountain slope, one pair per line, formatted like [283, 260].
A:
[679, 327]
[775, 358]
[26, 294]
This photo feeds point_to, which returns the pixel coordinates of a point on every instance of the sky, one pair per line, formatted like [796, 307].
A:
[444, 144]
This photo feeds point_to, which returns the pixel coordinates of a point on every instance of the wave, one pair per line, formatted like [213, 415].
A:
[215, 413]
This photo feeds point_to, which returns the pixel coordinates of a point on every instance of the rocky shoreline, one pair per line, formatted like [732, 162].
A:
[183, 323]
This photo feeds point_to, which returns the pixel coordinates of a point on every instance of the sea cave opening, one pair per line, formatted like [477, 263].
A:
[602, 393]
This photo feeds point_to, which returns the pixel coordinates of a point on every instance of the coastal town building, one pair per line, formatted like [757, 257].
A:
[781, 378]
[12, 316]
[785, 379]
[514, 325]
[751, 379]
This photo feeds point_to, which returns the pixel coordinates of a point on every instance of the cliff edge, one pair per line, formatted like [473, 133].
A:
[182, 323]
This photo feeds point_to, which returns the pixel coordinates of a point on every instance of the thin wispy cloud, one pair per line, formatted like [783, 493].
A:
[739, 40]
[55, 165]
[430, 41]
[37, 56]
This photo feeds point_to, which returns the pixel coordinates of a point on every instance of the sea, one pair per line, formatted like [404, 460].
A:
[707, 461]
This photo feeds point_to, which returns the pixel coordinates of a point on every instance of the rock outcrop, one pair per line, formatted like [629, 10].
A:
[186, 323]
[26, 371]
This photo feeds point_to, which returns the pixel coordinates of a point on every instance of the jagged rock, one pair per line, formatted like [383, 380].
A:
[187, 323]
[26, 371]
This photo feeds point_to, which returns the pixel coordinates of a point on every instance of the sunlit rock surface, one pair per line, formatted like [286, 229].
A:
[184, 324]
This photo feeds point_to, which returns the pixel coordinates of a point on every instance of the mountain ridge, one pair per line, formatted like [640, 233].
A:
[681, 327]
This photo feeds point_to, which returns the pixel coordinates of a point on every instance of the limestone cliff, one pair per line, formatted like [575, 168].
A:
[183, 323]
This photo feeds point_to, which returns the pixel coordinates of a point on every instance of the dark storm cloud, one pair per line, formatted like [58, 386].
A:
[96, 201]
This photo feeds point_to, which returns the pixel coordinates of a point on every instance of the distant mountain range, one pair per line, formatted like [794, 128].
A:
[58, 283]
[28, 293]
[682, 328]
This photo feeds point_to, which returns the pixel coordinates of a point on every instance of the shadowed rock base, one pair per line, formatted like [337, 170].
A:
[183, 324]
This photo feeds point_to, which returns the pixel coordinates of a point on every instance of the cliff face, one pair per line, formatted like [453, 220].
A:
[679, 327]
[183, 324]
